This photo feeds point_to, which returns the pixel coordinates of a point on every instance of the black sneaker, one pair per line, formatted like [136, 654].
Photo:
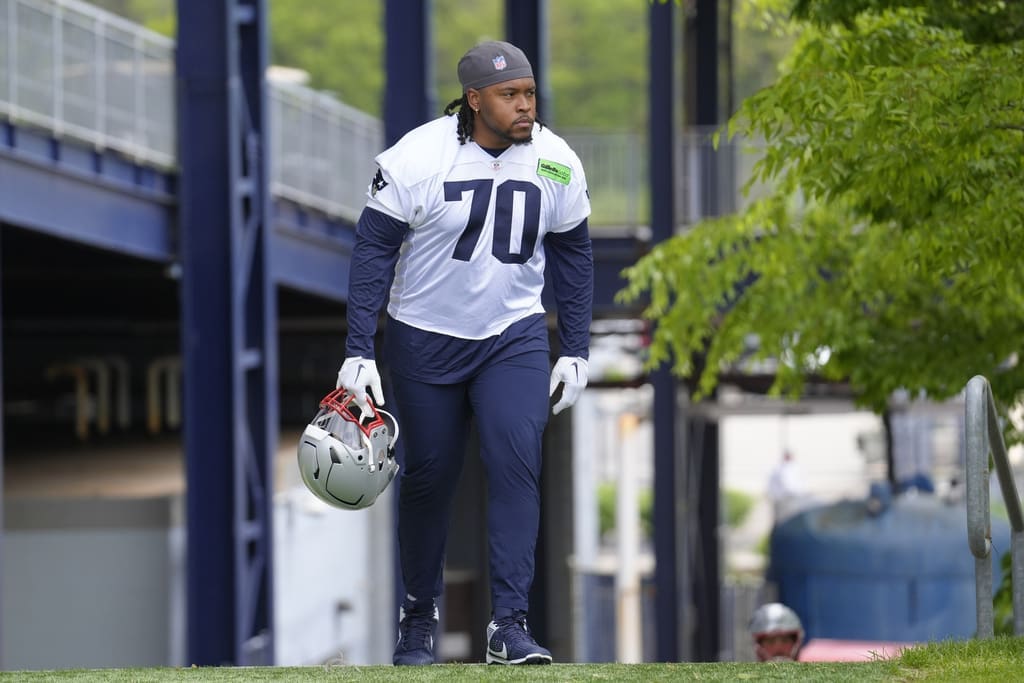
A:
[417, 622]
[509, 642]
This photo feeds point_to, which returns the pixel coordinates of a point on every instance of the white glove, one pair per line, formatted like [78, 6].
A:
[571, 373]
[355, 375]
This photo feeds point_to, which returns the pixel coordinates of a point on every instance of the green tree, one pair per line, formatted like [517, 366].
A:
[457, 25]
[885, 253]
[1002, 601]
[156, 15]
[760, 43]
[736, 507]
[607, 504]
[340, 45]
[598, 64]
[980, 21]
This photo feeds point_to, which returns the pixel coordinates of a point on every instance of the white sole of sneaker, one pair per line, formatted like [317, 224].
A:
[527, 660]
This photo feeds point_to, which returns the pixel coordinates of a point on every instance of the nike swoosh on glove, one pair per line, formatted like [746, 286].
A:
[355, 375]
[571, 373]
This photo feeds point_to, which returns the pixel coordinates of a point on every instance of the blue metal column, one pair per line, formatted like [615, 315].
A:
[408, 102]
[526, 27]
[701, 464]
[1, 455]
[228, 330]
[409, 98]
[662, 143]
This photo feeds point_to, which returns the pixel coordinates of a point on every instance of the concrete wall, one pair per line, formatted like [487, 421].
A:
[93, 583]
[94, 566]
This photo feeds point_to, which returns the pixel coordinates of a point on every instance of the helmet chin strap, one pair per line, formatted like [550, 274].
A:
[392, 425]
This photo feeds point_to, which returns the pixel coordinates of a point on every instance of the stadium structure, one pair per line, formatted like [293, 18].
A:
[175, 229]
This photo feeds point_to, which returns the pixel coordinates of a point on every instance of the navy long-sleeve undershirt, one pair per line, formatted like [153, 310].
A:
[378, 240]
[570, 267]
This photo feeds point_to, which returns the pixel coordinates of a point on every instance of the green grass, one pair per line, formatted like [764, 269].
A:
[1001, 659]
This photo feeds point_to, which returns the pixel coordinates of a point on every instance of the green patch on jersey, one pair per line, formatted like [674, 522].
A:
[560, 173]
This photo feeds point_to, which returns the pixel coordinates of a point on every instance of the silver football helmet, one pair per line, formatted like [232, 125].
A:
[777, 632]
[347, 459]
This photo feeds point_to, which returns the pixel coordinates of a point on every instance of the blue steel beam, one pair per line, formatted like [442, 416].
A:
[311, 252]
[228, 322]
[408, 101]
[701, 461]
[85, 195]
[662, 100]
[206, 304]
[526, 27]
[1, 467]
[254, 337]
[409, 98]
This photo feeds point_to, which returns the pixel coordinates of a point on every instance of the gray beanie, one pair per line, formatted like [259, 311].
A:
[492, 62]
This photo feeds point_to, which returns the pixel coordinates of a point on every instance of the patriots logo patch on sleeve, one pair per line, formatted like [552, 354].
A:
[378, 183]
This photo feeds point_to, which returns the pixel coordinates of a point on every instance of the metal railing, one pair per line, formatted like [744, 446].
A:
[88, 75]
[984, 437]
[708, 180]
[85, 74]
[322, 150]
[616, 167]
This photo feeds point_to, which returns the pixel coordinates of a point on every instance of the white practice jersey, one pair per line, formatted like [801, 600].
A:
[473, 260]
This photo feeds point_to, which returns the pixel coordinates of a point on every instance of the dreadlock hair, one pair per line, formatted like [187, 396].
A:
[465, 113]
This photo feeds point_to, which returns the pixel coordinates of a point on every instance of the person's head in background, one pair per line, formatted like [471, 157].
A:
[777, 633]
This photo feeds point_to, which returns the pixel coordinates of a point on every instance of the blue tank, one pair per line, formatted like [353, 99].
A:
[901, 571]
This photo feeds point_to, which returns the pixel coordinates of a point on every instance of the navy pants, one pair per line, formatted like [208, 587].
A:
[507, 397]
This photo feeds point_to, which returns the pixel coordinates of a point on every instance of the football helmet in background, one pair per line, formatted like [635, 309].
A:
[777, 632]
[346, 458]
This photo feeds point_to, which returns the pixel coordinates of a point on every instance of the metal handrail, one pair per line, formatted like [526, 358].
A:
[983, 437]
[88, 75]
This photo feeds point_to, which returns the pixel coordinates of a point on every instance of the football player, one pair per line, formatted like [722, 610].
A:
[777, 633]
[464, 216]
